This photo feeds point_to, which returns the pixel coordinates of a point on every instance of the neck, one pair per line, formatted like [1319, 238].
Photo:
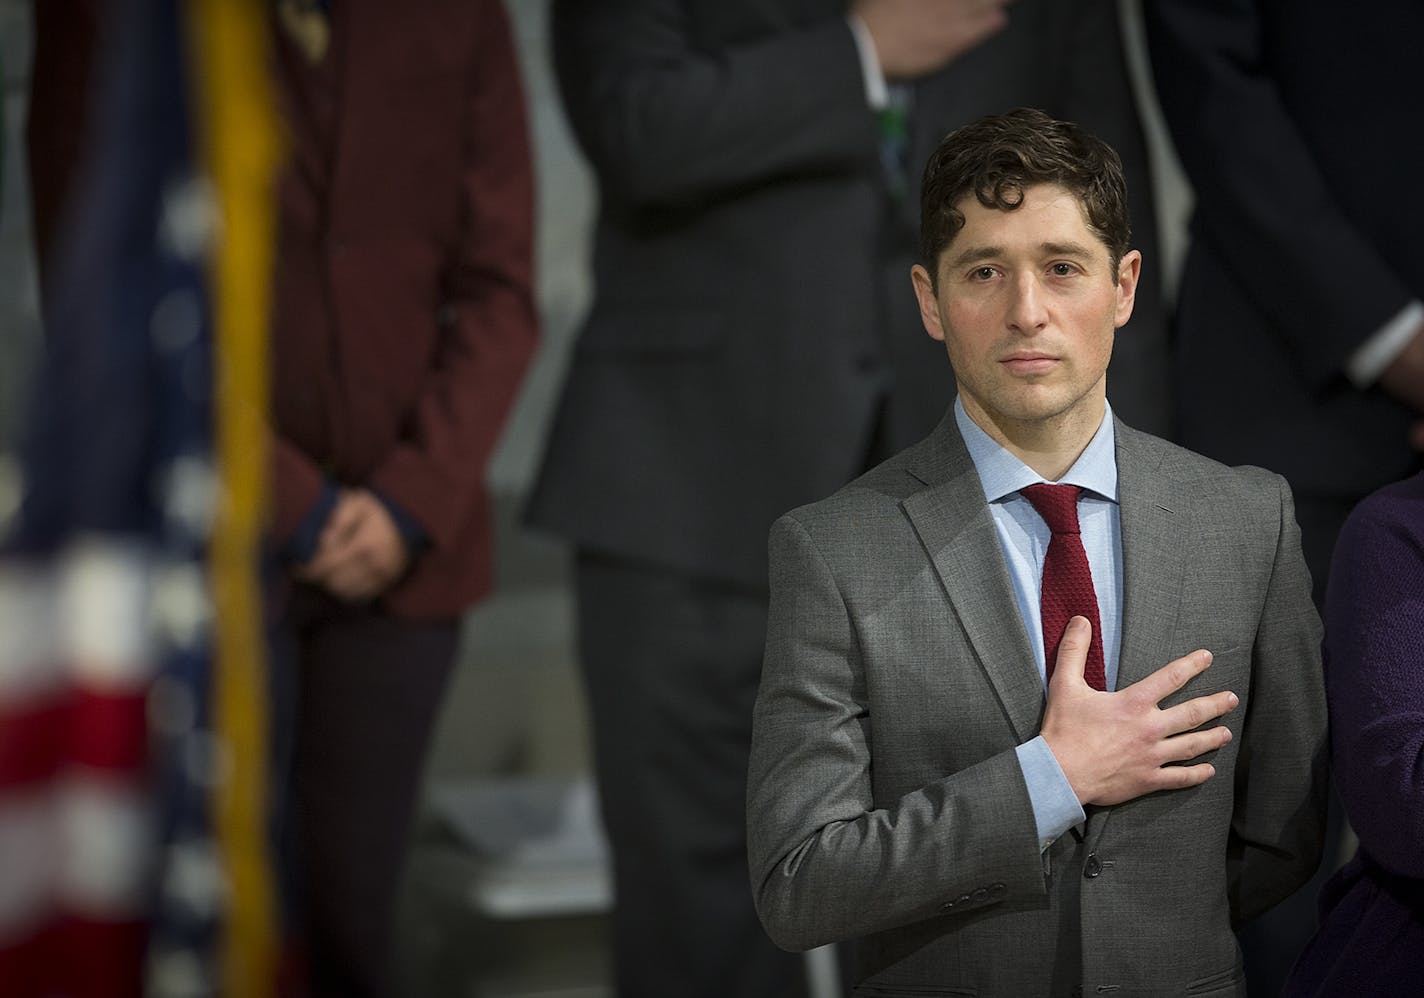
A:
[1048, 446]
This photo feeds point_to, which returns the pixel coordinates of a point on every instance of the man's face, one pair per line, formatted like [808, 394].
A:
[1027, 304]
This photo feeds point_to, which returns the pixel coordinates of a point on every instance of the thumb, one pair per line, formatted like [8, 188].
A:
[1072, 653]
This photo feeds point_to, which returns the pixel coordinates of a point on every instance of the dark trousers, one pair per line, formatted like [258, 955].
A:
[362, 690]
[672, 665]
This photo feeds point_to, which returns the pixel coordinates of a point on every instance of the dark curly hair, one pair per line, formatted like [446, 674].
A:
[996, 157]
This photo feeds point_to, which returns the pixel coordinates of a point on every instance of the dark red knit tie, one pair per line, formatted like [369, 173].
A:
[1066, 590]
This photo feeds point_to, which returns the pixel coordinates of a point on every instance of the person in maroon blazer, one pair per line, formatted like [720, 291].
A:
[403, 320]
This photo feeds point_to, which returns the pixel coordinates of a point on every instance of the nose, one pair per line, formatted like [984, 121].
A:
[1027, 312]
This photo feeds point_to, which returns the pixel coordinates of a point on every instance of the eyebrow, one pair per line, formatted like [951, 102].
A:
[975, 254]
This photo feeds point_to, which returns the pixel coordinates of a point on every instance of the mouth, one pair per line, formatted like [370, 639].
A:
[1029, 363]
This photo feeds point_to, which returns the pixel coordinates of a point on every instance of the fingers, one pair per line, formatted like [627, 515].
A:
[1172, 676]
[344, 519]
[1072, 653]
[1181, 777]
[1196, 712]
[987, 20]
[355, 571]
[341, 530]
[978, 24]
[912, 39]
[354, 581]
[368, 557]
[1180, 748]
[328, 556]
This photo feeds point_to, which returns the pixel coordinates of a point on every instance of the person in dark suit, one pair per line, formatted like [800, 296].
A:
[402, 323]
[1305, 272]
[923, 780]
[1300, 328]
[751, 347]
[1370, 943]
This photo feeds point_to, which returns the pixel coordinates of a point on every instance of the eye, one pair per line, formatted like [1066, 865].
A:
[1062, 269]
[982, 273]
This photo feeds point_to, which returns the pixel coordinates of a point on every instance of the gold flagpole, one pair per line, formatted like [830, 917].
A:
[235, 111]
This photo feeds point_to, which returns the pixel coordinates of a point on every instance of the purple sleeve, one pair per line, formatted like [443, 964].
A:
[1374, 654]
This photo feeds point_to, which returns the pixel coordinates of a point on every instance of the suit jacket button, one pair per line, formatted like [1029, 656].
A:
[1093, 867]
[996, 891]
[981, 895]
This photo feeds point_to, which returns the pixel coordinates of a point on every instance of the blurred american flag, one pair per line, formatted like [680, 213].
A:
[115, 879]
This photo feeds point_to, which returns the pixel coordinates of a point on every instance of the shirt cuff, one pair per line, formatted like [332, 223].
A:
[1055, 805]
[410, 529]
[877, 93]
[301, 546]
[1368, 362]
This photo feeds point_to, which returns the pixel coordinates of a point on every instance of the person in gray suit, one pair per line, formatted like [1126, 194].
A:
[751, 347]
[917, 784]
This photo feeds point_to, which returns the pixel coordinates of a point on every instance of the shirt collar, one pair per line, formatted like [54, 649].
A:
[1002, 474]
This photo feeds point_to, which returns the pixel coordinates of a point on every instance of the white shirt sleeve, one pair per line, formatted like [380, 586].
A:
[1368, 362]
[877, 93]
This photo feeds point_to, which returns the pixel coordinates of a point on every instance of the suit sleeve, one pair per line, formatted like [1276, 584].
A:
[297, 485]
[1374, 647]
[1278, 822]
[665, 121]
[1262, 202]
[827, 864]
[488, 320]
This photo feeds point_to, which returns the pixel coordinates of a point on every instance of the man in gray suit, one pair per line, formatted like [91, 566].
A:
[751, 348]
[912, 787]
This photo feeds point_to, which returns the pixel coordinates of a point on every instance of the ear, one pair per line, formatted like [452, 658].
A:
[929, 304]
[1129, 269]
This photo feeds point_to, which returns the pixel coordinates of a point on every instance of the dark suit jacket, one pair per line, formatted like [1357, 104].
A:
[1297, 123]
[753, 304]
[1371, 938]
[886, 803]
[403, 315]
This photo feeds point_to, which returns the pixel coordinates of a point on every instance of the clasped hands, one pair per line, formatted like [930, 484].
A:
[360, 552]
[1113, 747]
[915, 37]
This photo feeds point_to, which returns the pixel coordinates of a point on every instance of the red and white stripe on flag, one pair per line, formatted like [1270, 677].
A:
[76, 822]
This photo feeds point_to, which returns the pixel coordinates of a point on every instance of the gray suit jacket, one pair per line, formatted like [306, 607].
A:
[886, 803]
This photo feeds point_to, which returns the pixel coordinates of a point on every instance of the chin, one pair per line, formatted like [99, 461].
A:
[1034, 406]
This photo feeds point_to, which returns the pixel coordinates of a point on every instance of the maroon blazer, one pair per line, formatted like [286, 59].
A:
[403, 313]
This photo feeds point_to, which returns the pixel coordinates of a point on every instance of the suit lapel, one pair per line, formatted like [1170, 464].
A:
[956, 528]
[1156, 537]
[953, 523]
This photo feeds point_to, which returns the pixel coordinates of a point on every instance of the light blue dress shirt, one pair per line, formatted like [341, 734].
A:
[1024, 538]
